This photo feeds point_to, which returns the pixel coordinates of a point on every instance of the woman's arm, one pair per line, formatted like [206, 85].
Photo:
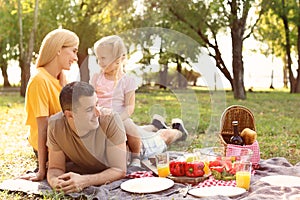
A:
[42, 123]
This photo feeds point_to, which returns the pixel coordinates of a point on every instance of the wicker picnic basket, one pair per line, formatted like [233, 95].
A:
[246, 120]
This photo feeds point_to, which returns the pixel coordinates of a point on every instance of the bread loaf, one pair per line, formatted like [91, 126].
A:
[249, 136]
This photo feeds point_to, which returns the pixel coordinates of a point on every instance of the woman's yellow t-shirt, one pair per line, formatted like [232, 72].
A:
[41, 100]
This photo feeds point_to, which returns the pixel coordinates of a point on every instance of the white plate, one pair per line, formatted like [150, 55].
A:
[228, 191]
[147, 185]
[282, 180]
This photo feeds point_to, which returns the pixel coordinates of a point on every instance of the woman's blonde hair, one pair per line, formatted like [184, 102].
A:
[118, 46]
[53, 42]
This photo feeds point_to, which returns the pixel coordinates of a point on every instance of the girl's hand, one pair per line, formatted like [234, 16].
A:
[104, 111]
[62, 78]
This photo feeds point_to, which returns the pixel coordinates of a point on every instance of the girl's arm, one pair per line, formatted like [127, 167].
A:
[129, 105]
[93, 80]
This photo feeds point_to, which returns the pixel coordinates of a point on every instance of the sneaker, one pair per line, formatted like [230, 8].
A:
[159, 122]
[135, 162]
[178, 124]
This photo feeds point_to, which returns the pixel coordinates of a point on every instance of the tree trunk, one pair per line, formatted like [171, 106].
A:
[4, 74]
[25, 75]
[237, 32]
[297, 89]
[81, 58]
[26, 57]
[180, 77]
[288, 48]
[238, 68]
[163, 74]
[285, 73]
[84, 70]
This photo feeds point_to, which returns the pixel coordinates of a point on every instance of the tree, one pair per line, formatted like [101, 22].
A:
[270, 32]
[8, 36]
[26, 51]
[285, 36]
[89, 19]
[205, 21]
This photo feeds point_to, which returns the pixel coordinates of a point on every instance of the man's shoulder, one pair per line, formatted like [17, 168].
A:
[56, 118]
[110, 119]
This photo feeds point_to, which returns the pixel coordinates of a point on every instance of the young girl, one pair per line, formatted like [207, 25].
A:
[115, 89]
[58, 51]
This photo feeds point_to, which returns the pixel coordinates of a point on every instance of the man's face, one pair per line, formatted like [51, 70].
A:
[86, 115]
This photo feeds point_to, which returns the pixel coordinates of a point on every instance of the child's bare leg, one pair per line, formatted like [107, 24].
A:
[169, 135]
[133, 138]
[178, 132]
[150, 128]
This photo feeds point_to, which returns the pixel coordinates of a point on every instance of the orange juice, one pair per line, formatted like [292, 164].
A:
[243, 179]
[163, 170]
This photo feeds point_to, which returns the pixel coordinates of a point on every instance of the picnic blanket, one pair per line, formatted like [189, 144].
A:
[258, 190]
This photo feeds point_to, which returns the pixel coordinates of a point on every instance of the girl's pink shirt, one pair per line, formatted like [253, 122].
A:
[111, 94]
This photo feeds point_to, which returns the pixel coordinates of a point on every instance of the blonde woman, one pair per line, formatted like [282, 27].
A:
[57, 53]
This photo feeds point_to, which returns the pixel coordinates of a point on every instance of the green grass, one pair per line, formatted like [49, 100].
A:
[277, 116]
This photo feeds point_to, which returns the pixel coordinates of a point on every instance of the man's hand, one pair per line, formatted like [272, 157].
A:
[39, 176]
[70, 182]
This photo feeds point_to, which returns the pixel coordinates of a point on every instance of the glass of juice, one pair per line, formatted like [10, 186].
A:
[162, 164]
[243, 174]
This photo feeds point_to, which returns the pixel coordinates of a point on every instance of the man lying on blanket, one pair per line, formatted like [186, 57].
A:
[96, 146]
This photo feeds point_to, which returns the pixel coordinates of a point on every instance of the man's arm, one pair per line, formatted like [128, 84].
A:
[116, 161]
[56, 167]
[73, 182]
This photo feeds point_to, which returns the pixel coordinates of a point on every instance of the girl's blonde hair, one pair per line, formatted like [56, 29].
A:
[53, 42]
[118, 46]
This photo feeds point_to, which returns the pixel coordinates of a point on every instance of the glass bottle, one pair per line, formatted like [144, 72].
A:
[236, 138]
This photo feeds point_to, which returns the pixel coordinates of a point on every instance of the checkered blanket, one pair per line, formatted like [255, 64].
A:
[258, 188]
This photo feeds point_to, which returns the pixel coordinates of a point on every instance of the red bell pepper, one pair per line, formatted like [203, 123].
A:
[177, 168]
[194, 169]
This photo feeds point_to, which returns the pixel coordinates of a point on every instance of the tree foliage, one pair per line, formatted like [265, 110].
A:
[280, 29]
[205, 21]
[8, 36]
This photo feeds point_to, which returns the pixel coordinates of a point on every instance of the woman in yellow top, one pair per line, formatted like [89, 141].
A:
[57, 52]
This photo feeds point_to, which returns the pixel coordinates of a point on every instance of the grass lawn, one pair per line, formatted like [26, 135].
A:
[277, 116]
